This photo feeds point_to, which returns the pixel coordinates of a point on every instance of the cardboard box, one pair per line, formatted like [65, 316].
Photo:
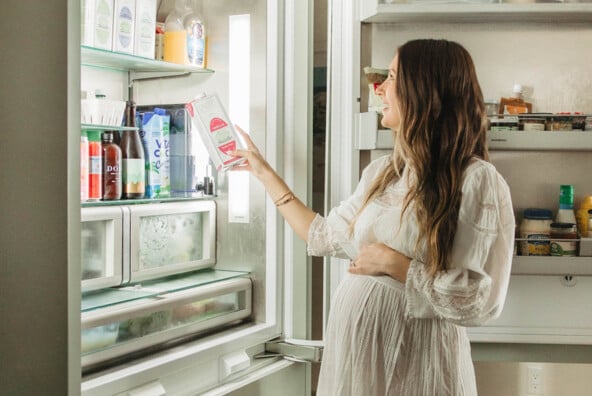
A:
[124, 21]
[216, 130]
[145, 28]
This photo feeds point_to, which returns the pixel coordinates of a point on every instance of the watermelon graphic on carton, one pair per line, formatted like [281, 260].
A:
[217, 132]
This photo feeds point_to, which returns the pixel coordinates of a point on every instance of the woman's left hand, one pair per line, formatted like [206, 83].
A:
[379, 259]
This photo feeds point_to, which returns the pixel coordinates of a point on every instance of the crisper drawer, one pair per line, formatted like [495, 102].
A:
[101, 240]
[549, 309]
[152, 317]
[171, 238]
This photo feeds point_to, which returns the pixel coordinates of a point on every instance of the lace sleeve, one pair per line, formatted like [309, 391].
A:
[473, 289]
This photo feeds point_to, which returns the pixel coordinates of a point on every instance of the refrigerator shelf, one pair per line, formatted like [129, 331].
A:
[153, 288]
[370, 137]
[548, 265]
[143, 201]
[103, 59]
[93, 127]
[474, 12]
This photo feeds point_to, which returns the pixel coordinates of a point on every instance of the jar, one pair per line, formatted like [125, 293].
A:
[564, 239]
[535, 232]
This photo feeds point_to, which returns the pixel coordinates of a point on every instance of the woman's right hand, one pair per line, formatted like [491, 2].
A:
[255, 163]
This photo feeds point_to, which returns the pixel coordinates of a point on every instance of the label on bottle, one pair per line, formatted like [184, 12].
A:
[133, 176]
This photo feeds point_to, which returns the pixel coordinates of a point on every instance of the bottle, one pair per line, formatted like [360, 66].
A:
[95, 168]
[175, 40]
[196, 38]
[132, 157]
[565, 214]
[112, 187]
[582, 215]
[84, 162]
[514, 104]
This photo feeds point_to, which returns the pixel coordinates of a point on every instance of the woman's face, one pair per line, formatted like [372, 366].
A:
[391, 116]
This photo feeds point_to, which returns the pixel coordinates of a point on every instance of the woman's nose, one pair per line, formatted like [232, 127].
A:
[379, 90]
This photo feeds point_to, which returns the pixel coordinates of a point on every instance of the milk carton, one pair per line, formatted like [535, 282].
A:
[124, 20]
[209, 117]
[145, 29]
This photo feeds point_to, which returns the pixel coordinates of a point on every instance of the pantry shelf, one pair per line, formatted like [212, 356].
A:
[474, 12]
[95, 57]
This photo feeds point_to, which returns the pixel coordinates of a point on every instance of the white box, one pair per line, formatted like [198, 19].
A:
[87, 21]
[216, 130]
[124, 22]
[145, 29]
[103, 24]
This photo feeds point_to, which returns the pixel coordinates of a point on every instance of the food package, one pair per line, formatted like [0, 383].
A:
[216, 130]
[375, 77]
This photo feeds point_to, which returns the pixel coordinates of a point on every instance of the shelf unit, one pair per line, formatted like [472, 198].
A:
[474, 12]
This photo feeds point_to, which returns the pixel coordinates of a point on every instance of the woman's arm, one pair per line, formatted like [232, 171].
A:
[296, 214]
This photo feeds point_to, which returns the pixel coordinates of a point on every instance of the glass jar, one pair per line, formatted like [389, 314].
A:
[564, 239]
[535, 232]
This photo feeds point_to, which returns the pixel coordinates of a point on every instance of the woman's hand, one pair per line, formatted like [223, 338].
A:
[255, 163]
[379, 259]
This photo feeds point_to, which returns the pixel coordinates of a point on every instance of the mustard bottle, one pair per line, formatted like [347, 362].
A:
[582, 215]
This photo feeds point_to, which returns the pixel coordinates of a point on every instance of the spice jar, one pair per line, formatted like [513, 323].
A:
[564, 239]
[535, 231]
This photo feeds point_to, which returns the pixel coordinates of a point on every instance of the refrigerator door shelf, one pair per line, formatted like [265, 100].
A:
[118, 330]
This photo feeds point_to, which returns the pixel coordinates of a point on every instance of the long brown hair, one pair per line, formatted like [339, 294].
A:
[443, 126]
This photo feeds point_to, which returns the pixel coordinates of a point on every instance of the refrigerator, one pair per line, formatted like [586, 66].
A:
[547, 315]
[82, 283]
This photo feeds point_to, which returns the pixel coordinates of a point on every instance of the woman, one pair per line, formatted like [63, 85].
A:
[433, 227]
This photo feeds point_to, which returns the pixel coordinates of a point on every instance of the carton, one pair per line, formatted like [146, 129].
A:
[209, 117]
[102, 18]
[145, 28]
[124, 20]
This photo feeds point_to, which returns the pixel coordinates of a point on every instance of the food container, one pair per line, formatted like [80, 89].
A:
[535, 232]
[564, 239]
[504, 124]
[561, 123]
[532, 124]
[98, 338]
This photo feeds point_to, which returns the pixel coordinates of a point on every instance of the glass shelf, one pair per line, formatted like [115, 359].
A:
[92, 127]
[148, 289]
[144, 201]
[99, 58]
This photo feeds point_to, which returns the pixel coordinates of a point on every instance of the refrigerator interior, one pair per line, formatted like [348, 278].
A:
[237, 63]
[552, 62]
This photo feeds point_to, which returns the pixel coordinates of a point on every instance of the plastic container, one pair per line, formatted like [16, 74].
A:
[195, 38]
[535, 232]
[175, 39]
[566, 214]
[582, 215]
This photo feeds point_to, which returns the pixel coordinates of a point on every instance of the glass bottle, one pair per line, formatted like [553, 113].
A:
[112, 185]
[175, 42]
[132, 158]
[196, 37]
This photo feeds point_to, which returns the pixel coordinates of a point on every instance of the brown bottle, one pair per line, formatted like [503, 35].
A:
[112, 187]
[132, 157]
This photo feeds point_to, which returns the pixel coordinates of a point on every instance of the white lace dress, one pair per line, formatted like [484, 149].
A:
[389, 338]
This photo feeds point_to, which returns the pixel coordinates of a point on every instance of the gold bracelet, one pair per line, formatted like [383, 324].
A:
[285, 201]
[282, 197]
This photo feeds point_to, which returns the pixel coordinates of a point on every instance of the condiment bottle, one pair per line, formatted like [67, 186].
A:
[565, 214]
[582, 215]
[95, 168]
[112, 185]
[132, 158]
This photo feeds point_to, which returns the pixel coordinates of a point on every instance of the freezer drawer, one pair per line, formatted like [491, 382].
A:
[171, 238]
[101, 239]
[157, 315]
